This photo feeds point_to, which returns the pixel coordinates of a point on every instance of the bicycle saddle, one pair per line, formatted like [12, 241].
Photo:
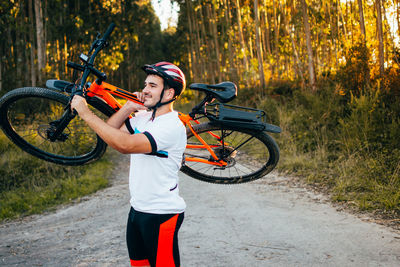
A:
[60, 85]
[224, 92]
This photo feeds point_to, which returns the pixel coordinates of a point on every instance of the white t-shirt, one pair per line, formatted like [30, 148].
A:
[153, 178]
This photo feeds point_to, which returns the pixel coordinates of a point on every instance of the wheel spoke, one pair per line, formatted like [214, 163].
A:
[29, 112]
[246, 153]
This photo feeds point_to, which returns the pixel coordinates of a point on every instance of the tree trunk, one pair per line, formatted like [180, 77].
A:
[350, 20]
[269, 39]
[297, 61]
[32, 44]
[66, 54]
[40, 38]
[198, 49]
[267, 30]
[210, 72]
[341, 16]
[231, 63]
[309, 47]
[392, 39]
[1, 77]
[380, 36]
[192, 46]
[214, 31]
[241, 38]
[337, 34]
[397, 8]
[276, 38]
[259, 45]
[364, 34]
[263, 29]
[362, 23]
[18, 45]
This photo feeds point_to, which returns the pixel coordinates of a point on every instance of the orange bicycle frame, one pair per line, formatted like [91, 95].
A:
[105, 92]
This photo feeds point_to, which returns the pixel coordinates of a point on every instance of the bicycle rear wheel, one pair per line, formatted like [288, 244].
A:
[27, 115]
[250, 154]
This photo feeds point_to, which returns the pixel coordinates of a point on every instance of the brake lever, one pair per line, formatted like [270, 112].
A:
[75, 91]
[75, 75]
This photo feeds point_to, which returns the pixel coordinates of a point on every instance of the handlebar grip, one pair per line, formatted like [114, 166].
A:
[101, 75]
[109, 31]
[75, 66]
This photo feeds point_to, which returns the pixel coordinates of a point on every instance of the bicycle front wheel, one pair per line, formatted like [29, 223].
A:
[28, 115]
[249, 154]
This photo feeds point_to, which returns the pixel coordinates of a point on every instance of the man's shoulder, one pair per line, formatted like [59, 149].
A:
[169, 125]
[171, 119]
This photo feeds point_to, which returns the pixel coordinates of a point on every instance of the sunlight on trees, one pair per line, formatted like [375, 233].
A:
[251, 42]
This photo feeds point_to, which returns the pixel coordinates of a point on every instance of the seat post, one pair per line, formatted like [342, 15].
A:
[198, 109]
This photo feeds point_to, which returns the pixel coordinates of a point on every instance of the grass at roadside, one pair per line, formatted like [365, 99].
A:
[347, 147]
[29, 185]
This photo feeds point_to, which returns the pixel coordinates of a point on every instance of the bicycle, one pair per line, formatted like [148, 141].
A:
[232, 146]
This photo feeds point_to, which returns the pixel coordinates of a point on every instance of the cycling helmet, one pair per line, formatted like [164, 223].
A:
[172, 75]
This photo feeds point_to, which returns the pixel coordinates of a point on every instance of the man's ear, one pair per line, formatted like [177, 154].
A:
[170, 93]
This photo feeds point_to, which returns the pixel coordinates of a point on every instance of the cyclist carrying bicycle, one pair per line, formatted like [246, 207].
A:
[156, 140]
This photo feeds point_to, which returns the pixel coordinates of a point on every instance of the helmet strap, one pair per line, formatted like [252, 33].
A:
[159, 103]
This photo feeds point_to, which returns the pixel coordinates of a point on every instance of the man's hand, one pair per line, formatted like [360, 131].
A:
[80, 105]
[132, 106]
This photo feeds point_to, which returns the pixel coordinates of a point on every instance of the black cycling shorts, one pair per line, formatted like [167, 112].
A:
[152, 239]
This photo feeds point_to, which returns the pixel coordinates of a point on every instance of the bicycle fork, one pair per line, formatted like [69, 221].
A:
[55, 133]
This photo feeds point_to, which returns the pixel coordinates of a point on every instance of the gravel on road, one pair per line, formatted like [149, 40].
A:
[262, 223]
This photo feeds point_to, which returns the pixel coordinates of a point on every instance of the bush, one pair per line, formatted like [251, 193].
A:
[348, 144]
[354, 76]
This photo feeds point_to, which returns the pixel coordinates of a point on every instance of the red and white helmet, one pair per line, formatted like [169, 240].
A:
[172, 75]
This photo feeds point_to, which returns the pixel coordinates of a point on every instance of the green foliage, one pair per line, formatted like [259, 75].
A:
[348, 144]
[371, 181]
[29, 185]
[70, 28]
[364, 128]
[389, 85]
[353, 76]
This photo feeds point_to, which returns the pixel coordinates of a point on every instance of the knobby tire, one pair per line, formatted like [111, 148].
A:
[25, 116]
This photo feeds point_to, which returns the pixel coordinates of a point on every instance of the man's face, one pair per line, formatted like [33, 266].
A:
[153, 86]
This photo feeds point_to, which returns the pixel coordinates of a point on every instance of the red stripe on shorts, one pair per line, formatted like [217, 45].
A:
[165, 256]
[140, 263]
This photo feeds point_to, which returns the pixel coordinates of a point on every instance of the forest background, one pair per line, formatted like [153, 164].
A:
[326, 71]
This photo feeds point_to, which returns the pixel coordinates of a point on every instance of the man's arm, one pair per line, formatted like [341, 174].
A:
[110, 132]
[117, 119]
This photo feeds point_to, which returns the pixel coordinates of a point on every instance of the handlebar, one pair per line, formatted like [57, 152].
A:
[75, 66]
[88, 67]
[108, 31]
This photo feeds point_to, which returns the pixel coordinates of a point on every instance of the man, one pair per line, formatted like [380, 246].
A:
[156, 141]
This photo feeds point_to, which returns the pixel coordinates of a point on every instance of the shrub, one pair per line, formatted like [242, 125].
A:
[353, 76]
[348, 144]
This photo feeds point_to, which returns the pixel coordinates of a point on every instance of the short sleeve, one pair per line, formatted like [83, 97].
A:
[164, 136]
[168, 135]
[129, 126]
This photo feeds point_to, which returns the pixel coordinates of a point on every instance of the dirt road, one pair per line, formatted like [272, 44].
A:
[264, 223]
